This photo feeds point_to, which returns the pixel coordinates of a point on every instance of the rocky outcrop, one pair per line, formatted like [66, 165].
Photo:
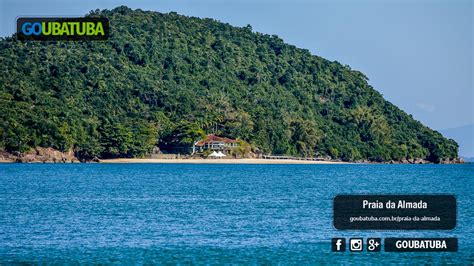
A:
[7, 157]
[414, 161]
[453, 161]
[46, 155]
[419, 161]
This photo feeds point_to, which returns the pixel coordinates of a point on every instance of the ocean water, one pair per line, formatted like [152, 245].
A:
[210, 214]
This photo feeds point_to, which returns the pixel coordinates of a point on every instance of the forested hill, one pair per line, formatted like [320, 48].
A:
[167, 79]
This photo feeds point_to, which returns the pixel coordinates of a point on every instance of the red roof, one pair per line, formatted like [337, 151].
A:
[211, 137]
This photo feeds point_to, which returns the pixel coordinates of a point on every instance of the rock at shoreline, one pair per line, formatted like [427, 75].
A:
[45, 155]
[453, 161]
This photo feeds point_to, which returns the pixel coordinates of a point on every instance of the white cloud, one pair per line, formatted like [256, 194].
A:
[426, 107]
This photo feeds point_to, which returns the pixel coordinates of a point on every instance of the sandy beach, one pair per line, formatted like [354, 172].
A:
[219, 161]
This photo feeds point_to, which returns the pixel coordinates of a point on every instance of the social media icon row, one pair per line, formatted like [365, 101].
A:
[356, 244]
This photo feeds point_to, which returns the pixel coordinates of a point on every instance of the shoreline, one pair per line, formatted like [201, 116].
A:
[217, 161]
[208, 161]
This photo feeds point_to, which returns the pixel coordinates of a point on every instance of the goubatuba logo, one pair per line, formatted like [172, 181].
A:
[62, 29]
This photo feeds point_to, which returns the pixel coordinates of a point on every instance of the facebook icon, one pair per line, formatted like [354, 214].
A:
[338, 244]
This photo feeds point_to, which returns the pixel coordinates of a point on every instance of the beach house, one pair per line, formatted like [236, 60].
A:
[215, 143]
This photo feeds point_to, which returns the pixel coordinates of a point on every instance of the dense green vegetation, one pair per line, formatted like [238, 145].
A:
[167, 79]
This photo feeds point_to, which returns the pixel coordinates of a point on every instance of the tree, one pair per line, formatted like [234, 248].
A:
[305, 136]
[116, 140]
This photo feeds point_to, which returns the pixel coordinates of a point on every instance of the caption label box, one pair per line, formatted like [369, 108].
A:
[421, 244]
[394, 212]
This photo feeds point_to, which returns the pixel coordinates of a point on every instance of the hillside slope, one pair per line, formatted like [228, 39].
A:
[167, 79]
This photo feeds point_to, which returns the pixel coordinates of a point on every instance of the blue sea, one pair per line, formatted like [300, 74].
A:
[210, 214]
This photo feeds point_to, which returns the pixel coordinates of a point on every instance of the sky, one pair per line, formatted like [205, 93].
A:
[418, 54]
